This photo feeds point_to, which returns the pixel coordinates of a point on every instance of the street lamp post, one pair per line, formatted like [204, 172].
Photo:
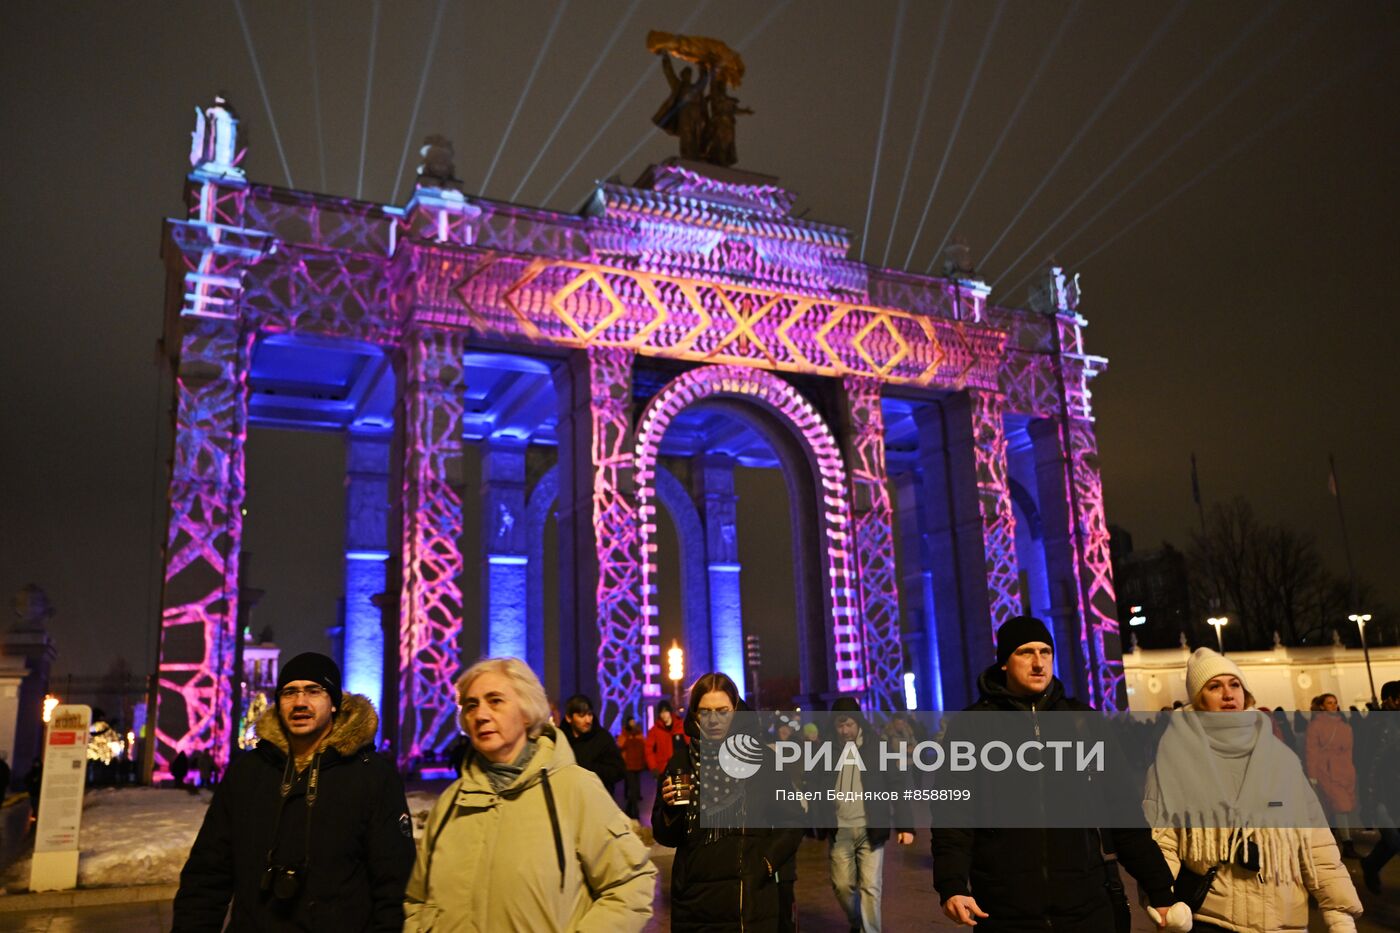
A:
[675, 672]
[1361, 619]
[1219, 622]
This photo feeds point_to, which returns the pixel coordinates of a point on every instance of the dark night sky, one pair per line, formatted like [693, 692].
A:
[1238, 243]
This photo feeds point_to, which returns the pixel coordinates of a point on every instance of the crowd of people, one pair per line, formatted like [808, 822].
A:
[311, 831]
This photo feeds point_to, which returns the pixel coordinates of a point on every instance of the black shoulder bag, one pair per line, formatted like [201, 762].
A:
[1191, 888]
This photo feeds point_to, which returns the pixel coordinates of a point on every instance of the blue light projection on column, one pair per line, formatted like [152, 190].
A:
[727, 620]
[506, 615]
[366, 550]
[504, 541]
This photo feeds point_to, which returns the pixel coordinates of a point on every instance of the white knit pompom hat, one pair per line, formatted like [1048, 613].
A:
[1205, 664]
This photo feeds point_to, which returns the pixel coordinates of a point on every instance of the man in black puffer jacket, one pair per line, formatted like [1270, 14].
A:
[1012, 880]
[594, 748]
[310, 830]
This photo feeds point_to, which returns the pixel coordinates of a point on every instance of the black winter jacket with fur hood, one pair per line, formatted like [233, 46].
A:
[361, 840]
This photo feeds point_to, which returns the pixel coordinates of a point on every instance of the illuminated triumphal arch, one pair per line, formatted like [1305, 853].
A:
[939, 450]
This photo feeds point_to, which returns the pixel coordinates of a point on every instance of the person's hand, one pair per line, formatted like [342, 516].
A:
[671, 789]
[963, 910]
[1159, 916]
[904, 839]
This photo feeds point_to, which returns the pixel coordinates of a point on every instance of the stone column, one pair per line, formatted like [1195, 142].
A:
[1061, 554]
[916, 590]
[12, 674]
[430, 607]
[368, 466]
[873, 518]
[713, 478]
[1104, 646]
[971, 534]
[607, 649]
[199, 600]
[26, 657]
[504, 551]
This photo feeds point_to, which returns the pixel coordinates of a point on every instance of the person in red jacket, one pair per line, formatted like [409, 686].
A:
[634, 757]
[661, 739]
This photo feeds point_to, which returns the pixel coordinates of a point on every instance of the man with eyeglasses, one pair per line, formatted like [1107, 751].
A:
[310, 830]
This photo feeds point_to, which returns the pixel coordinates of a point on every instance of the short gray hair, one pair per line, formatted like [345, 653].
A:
[534, 703]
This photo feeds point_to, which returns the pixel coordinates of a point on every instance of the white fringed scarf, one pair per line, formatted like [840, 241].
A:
[1214, 823]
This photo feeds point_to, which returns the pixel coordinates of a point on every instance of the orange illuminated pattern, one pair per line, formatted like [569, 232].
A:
[580, 304]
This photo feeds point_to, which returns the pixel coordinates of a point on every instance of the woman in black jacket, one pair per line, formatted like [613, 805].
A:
[731, 836]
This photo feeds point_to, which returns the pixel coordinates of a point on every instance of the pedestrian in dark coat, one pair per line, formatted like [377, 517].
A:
[1012, 880]
[179, 768]
[309, 831]
[1384, 786]
[594, 748]
[733, 837]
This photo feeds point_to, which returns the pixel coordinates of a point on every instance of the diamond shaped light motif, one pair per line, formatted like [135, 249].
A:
[588, 305]
[881, 357]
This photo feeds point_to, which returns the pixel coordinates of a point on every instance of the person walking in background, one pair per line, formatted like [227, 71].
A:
[180, 767]
[662, 737]
[33, 784]
[310, 830]
[1231, 805]
[1331, 768]
[857, 825]
[1039, 878]
[593, 748]
[525, 839]
[1384, 787]
[633, 746]
[726, 873]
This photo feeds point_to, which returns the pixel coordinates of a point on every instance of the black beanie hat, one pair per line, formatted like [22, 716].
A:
[1018, 631]
[844, 707]
[316, 668]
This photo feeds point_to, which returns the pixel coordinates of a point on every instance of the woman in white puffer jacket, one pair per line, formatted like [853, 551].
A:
[1224, 793]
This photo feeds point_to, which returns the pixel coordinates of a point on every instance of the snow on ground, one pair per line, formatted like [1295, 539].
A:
[142, 835]
[130, 835]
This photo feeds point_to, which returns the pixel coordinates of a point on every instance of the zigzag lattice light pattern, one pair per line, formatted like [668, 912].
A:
[199, 612]
[430, 619]
[874, 536]
[1096, 574]
[577, 304]
[627, 648]
[994, 496]
[780, 397]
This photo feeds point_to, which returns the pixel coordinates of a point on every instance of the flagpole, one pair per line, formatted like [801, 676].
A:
[1215, 601]
[1342, 520]
[1336, 489]
[1196, 494]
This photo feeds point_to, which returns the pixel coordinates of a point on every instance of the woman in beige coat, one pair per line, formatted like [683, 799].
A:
[1225, 794]
[525, 839]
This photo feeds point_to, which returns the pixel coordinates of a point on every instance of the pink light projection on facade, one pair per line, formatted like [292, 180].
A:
[709, 281]
[874, 544]
[430, 619]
